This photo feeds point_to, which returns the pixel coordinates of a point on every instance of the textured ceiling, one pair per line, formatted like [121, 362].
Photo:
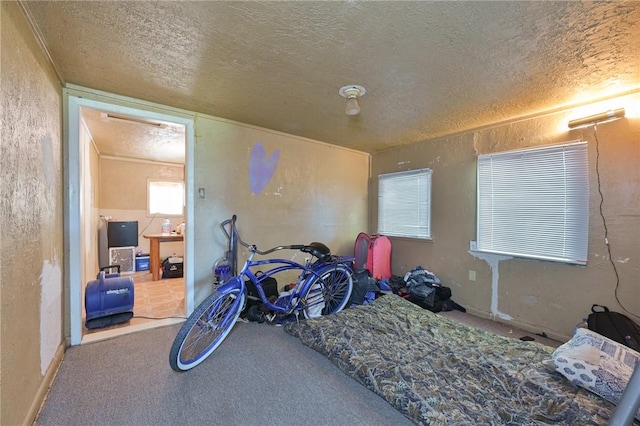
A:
[429, 68]
[117, 135]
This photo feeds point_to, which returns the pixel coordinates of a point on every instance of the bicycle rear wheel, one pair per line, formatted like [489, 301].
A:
[328, 292]
[206, 328]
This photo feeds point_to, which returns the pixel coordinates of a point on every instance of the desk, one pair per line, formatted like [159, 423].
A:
[154, 251]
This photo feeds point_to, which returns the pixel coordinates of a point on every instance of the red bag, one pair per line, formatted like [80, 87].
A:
[373, 253]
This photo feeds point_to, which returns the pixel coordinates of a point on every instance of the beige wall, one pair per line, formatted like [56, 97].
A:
[31, 247]
[317, 193]
[539, 296]
[89, 215]
[123, 196]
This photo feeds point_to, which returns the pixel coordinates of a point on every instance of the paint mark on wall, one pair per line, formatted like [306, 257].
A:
[493, 260]
[50, 312]
[48, 161]
[475, 143]
[261, 168]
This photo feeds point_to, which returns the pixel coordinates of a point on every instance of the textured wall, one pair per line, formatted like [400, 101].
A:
[285, 189]
[123, 196]
[539, 296]
[89, 216]
[313, 192]
[31, 222]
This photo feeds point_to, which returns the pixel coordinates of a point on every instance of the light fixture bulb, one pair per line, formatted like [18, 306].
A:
[603, 117]
[353, 108]
[351, 93]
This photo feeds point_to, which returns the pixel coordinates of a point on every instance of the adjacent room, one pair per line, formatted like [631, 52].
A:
[495, 144]
[133, 180]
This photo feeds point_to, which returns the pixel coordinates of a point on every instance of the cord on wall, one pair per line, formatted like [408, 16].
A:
[148, 223]
[604, 222]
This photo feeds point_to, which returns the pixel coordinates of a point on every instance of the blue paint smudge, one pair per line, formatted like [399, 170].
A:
[261, 168]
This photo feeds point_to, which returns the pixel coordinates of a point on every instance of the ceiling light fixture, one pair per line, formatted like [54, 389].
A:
[351, 93]
[612, 114]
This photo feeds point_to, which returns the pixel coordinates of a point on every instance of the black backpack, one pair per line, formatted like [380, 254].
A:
[615, 326]
[363, 285]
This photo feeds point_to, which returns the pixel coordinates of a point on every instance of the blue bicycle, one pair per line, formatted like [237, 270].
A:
[324, 286]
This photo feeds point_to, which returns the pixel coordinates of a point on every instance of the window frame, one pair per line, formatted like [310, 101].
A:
[420, 216]
[542, 215]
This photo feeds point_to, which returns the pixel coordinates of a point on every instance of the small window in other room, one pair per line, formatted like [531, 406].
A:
[165, 198]
[534, 203]
[404, 204]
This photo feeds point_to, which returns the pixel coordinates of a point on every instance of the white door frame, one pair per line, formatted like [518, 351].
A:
[73, 260]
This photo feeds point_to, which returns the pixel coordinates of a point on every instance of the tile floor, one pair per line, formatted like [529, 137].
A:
[153, 300]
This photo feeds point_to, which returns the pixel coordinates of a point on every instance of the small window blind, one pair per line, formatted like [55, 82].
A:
[404, 204]
[534, 203]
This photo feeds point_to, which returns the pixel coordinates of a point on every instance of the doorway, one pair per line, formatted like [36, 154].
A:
[82, 220]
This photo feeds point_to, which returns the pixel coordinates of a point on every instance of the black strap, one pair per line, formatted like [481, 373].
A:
[604, 308]
[105, 268]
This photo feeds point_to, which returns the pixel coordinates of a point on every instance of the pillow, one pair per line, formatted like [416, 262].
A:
[596, 363]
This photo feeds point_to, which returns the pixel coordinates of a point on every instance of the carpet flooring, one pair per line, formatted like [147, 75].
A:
[259, 376]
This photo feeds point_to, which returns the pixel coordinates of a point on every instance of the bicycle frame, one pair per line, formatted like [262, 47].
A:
[323, 287]
[308, 271]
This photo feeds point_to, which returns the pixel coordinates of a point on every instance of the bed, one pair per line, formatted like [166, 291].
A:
[437, 371]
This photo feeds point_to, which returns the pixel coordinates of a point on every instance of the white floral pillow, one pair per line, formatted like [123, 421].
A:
[597, 364]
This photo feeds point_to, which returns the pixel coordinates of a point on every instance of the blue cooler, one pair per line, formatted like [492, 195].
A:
[108, 300]
[142, 262]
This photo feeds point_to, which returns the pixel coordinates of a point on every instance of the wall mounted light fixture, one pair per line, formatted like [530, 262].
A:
[612, 114]
[132, 120]
[351, 93]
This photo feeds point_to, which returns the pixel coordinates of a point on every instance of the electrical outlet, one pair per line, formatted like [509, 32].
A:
[472, 275]
[201, 193]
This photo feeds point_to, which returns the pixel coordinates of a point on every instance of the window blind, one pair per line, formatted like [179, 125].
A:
[404, 204]
[535, 203]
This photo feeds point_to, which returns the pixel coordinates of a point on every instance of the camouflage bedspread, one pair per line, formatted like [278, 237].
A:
[438, 371]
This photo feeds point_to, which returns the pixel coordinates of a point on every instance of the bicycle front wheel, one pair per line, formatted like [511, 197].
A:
[329, 291]
[205, 329]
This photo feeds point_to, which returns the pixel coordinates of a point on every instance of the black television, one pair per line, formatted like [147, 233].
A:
[122, 234]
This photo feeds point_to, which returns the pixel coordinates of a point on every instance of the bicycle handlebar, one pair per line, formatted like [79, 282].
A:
[252, 247]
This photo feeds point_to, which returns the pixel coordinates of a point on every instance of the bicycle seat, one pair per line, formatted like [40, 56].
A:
[318, 250]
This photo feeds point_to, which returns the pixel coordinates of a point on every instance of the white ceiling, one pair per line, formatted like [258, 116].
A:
[429, 68]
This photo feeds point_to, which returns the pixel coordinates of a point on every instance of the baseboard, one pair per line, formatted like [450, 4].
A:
[516, 324]
[45, 385]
